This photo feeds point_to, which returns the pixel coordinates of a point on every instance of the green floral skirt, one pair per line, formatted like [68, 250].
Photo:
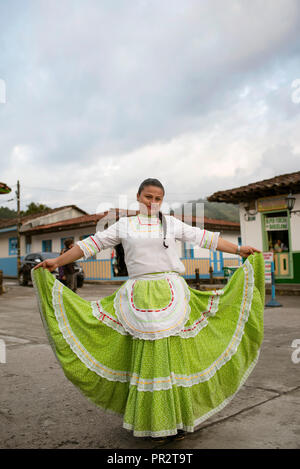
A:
[160, 354]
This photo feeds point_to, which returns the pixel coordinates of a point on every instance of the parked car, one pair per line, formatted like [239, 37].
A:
[32, 259]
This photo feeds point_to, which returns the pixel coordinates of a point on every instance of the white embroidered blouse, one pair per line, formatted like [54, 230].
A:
[142, 240]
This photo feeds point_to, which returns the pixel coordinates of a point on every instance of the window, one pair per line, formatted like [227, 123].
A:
[277, 229]
[13, 246]
[47, 245]
[28, 243]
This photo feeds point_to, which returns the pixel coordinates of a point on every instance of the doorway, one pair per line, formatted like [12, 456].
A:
[277, 240]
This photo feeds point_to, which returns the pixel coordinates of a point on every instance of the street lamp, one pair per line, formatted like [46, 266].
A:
[250, 209]
[290, 202]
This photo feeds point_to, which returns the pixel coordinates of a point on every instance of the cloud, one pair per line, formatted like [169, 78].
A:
[100, 96]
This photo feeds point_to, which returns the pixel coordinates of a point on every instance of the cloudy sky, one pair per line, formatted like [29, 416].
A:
[97, 95]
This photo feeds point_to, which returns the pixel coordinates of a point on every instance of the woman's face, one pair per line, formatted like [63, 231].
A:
[150, 200]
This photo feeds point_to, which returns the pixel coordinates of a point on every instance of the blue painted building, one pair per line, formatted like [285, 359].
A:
[47, 232]
[8, 235]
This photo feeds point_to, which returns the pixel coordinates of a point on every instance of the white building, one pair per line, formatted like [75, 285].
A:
[270, 220]
[47, 232]
[28, 243]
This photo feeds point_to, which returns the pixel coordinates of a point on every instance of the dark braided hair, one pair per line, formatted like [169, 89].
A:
[120, 258]
[156, 183]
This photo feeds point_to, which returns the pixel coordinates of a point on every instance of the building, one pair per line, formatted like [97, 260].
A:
[270, 220]
[28, 243]
[47, 232]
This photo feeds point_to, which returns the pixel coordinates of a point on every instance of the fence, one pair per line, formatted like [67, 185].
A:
[97, 269]
[232, 262]
[101, 269]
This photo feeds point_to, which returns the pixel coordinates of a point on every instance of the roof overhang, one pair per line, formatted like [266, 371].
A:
[9, 228]
[279, 185]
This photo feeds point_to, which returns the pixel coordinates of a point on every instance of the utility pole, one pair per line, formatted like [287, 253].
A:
[18, 230]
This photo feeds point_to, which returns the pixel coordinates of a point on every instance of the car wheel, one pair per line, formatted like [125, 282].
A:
[23, 280]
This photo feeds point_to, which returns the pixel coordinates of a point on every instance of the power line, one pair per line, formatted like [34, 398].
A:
[99, 193]
[64, 190]
[9, 200]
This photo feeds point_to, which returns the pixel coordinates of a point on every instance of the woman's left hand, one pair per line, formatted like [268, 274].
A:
[247, 250]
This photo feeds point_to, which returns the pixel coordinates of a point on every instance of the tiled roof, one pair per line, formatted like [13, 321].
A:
[92, 220]
[85, 220]
[77, 222]
[212, 223]
[6, 222]
[282, 184]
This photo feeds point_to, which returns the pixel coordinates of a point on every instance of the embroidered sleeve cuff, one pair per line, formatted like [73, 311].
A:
[209, 240]
[89, 246]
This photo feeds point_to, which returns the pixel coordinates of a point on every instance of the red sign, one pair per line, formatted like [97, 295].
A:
[268, 258]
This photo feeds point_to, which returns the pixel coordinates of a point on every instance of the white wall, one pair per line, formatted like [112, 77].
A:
[60, 215]
[295, 225]
[75, 213]
[36, 241]
[251, 231]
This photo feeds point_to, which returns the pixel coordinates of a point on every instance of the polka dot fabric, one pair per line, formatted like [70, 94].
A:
[158, 386]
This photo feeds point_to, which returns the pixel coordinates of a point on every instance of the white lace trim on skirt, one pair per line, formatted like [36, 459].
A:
[165, 382]
[153, 324]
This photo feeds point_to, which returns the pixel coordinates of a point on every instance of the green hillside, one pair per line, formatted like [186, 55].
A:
[6, 212]
[218, 210]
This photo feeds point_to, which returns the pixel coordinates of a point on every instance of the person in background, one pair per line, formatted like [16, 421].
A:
[67, 272]
[279, 246]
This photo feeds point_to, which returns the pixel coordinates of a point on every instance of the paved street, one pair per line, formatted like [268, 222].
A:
[40, 408]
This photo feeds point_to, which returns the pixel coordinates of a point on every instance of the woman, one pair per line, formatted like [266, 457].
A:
[67, 271]
[157, 352]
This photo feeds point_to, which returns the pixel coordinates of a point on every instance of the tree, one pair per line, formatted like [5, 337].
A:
[6, 212]
[34, 208]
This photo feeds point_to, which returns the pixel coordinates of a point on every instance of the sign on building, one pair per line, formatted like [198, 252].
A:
[276, 223]
[268, 258]
[277, 202]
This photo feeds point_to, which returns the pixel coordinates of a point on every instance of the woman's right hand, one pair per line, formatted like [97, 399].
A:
[50, 264]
